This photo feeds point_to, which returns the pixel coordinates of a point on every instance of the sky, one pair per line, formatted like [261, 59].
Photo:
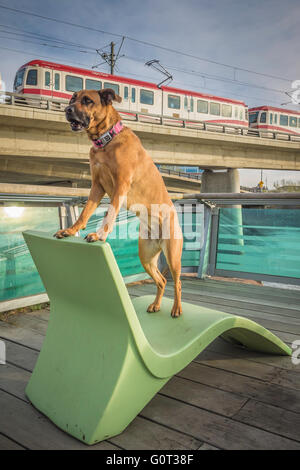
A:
[259, 36]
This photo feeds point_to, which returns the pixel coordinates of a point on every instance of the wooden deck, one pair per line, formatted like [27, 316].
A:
[227, 398]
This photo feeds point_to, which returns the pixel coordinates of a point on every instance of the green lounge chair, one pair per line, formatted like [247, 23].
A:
[104, 357]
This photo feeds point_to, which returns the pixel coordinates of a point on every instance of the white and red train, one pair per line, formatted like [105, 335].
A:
[273, 119]
[51, 80]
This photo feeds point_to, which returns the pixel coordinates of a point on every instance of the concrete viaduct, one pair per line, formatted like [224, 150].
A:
[37, 142]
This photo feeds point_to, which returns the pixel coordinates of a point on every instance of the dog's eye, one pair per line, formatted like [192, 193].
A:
[87, 100]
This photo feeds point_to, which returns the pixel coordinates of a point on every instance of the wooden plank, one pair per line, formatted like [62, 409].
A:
[191, 295]
[283, 397]
[229, 350]
[8, 444]
[27, 337]
[20, 356]
[203, 396]
[282, 422]
[23, 423]
[248, 290]
[216, 430]
[143, 434]
[290, 379]
[206, 446]
[13, 380]
[239, 366]
[267, 300]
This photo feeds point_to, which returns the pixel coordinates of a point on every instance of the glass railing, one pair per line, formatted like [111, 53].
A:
[18, 274]
[262, 241]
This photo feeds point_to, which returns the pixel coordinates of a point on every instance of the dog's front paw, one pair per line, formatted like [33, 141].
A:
[67, 232]
[92, 237]
[154, 307]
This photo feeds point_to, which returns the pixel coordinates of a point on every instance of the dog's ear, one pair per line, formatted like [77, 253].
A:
[73, 98]
[108, 95]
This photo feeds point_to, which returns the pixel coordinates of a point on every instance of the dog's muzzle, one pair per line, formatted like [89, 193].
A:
[77, 123]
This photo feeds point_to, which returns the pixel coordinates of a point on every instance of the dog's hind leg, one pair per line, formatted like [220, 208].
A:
[149, 251]
[172, 249]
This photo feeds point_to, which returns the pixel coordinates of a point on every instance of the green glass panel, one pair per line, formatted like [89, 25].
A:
[18, 275]
[124, 238]
[261, 241]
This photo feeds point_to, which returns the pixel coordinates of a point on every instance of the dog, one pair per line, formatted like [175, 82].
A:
[121, 168]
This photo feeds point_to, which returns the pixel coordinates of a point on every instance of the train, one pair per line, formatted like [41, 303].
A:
[58, 81]
[273, 119]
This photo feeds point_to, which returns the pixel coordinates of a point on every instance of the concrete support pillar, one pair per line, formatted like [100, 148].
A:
[227, 181]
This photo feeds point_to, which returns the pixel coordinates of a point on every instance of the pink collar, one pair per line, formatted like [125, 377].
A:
[107, 137]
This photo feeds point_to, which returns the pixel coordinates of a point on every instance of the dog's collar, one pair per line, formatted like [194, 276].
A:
[107, 137]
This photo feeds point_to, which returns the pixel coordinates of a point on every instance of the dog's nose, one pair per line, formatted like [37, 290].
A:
[68, 110]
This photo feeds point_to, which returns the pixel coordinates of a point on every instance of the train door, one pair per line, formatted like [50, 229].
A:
[131, 98]
[52, 82]
[188, 105]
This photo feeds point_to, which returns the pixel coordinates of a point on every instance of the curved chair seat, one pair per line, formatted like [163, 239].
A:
[104, 357]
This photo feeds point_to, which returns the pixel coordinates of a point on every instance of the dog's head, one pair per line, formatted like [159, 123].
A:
[89, 107]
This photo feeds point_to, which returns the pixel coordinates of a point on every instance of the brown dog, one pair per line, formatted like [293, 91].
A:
[123, 169]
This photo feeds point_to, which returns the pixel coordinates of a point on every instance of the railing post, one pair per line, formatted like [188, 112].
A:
[214, 228]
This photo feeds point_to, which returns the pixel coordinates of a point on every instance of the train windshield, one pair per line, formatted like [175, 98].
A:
[253, 117]
[19, 78]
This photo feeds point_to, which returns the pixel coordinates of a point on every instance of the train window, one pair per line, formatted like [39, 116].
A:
[31, 77]
[93, 84]
[214, 109]
[293, 121]
[146, 97]
[133, 95]
[299, 122]
[263, 117]
[185, 102]
[173, 102]
[19, 78]
[126, 93]
[241, 114]
[47, 78]
[226, 110]
[275, 118]
[253, 117]
[74, 83]
[236, 112]
[271, 118]
[202, 106]
[284, 120]
[57, 81]
[113, 86]
[192, 105]
[246, 114]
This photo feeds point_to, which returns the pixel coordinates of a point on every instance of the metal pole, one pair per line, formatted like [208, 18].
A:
[112, 57]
